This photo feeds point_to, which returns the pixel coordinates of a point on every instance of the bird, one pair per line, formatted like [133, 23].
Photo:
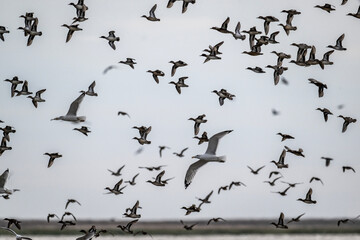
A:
[118, 172]
[325, 112]
[71, 29]
[326, 56]
[237, 34]
[343, 221]
[12, 221]
[181, 154]
[80, 7]
[326, 7]
[158, 181]
[132, 181]
[2, 32]
[209, 156]
[84, 130]
[267, 21]
[206, 199]
[14, 82]
[161, 149]
[51, 215]
[320, 85]
[297, 219]
[188, 227]
[90, 91]
[356, 15]
[338, 46]
[116, 189]
[316, 179]
[111, 67]
[133, 211]
[127, 228]
[285, 136]
[32, 32]
[347, 121]
[157, 168]
[281, 56]
[17, 236]
[112, 38]
[327, 161]
[52, 156]
[152, 16]
[3, 178]
[123, 113]
[129, 61]
[295, 152]
[156, 74]
[280, 223]
[176, 65]
[344, 168]
[223, 94]
[272, 37]
[278, 71]
[223, 28]
[66, 223]
[291, 184]
[308, 199]
[68, 214]
[179, 84]
[224, 188]
[200, 119]
[37, 98]
[88, 235]
[71, 201]
[215, 220]
[287, 28]
[283, 193]
[274, 173]
[3, 146]
[203, 138]
[256, 69]
[272, 183]
[24, 90]
[238, 183]
[255, 172]
[192, 208]
[71, 114]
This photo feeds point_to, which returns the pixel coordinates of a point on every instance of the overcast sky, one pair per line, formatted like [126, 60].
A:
[64, 69]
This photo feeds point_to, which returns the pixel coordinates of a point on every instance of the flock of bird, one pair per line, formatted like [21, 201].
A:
[212, 53]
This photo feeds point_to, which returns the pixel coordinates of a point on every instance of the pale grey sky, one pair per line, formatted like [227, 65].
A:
[66, 68]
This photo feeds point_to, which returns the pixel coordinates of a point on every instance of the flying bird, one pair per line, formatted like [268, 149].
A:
[17, 236]
[52, 156]
[209, 156]
[71, 114]
[152, 16]
[112, 39]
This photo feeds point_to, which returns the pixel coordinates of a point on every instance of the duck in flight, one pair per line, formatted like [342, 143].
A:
[180, 84]
[156, 74]
[37, 98]
[52, 158]
[84, 130]
[152, 16]
[209, 156]
[338, 46]
[71, 29]
[111, 38]
[308, 199]
[200, 119]
[91, 91]
[326, 112]
[280, 223]
[347, 121]
[181, 154]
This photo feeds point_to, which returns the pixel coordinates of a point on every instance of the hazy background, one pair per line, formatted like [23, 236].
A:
[66, 68]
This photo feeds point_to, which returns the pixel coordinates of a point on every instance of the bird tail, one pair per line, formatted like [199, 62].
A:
[82, 119]
[222, 158]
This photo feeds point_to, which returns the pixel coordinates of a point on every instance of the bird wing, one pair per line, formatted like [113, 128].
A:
[225, 24]
[237, 28]
[10, 230]
[308, 194]
[339, 40]
[3, 178]
[75, 105]
[214, 140]
[345, 125]
[282, 157]
[92, 85]
[159, 176]
[209, 195]
[281, 219]
[190, 173]
[112, 45]
[182, 151]
[152, 11]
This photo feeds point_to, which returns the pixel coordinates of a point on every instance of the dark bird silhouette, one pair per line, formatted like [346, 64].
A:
[327, 161]
[347, 121]
[280, 223]
[255, 172]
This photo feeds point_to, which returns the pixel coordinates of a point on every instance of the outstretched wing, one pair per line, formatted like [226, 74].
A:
[3, 178]
[75, 105]
[190, 173]
[214, 140]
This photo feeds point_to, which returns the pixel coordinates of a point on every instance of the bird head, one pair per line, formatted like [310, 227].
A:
[196, 156]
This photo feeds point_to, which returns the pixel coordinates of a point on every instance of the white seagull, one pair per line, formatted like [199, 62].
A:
[17, 236]
[71, 114]
[209, 156]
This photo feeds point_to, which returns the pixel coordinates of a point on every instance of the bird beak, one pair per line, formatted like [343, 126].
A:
[193, 157]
